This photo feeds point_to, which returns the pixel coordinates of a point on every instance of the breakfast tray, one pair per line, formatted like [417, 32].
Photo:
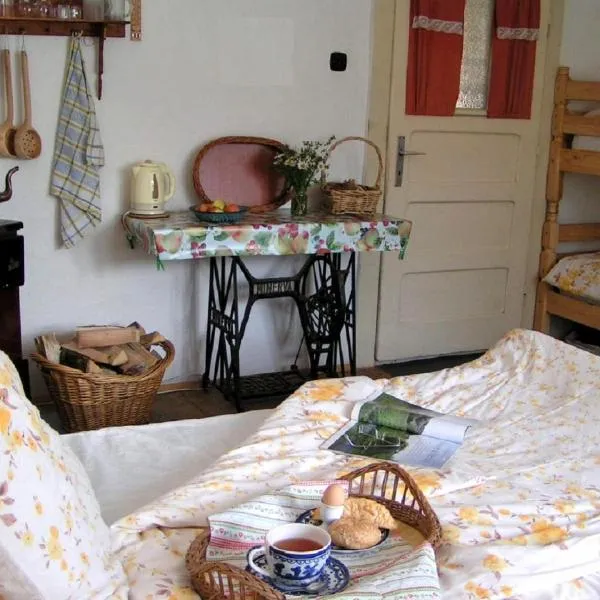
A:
[386, 483]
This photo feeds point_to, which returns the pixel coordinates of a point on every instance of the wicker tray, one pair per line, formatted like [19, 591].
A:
[240, 169]
[91, 401]
[380, 481]
[350, 197]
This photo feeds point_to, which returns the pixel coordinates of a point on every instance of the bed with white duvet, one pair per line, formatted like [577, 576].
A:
[519, 502]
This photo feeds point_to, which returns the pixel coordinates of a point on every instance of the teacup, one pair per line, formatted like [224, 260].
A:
[296, 554]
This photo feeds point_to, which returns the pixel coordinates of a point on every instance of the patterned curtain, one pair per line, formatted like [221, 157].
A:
[434, 56]
[517, 29]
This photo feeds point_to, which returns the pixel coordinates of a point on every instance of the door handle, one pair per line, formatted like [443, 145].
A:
[400, 154]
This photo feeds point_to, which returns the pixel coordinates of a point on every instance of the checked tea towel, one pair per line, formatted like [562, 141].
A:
[394, 570]
[78, 154]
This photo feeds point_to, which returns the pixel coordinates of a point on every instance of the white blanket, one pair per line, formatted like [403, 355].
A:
[519, 502]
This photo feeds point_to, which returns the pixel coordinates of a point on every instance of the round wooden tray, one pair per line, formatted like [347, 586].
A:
[239, 169]
[380, 481]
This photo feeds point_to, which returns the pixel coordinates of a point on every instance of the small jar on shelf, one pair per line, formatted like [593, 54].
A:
[7, 8]
[46, 9]
[93, 10]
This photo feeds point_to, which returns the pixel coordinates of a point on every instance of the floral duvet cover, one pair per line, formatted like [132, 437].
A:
[519, 502]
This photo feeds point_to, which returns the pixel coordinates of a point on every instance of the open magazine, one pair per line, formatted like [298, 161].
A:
[392, 429]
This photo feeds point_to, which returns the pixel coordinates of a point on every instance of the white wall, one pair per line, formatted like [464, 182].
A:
[163, 99]
[580, 51]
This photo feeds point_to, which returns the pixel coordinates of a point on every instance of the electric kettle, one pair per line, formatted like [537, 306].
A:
[152, 184]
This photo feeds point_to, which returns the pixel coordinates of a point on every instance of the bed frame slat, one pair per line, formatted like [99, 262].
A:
[583, 90]
[580, 161]
[574, 309]
[582, 232]
[579, 125]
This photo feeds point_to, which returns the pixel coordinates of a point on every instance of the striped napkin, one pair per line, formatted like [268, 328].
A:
[78, 154]
[394, 570]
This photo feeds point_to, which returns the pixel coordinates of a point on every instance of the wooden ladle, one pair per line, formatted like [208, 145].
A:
[28, 143]
[7, 129]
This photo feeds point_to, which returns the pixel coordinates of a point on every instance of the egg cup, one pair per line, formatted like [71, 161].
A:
[329, 514]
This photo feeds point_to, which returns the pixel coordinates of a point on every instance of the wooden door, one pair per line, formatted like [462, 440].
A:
[469, 192]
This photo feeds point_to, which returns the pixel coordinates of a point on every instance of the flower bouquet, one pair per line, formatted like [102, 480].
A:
[301, 167]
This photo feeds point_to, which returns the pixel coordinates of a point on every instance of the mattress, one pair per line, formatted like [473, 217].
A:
[578, 276]
[131, 466]
[519, 502]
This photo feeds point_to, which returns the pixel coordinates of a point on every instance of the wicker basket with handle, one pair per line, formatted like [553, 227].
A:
[350, 197]
[384, 482]
[87, 401]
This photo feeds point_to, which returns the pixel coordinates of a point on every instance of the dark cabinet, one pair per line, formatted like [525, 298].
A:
[12, 277]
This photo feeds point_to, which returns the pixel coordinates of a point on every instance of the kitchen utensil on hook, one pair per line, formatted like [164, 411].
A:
[28, 143]
[7, 129]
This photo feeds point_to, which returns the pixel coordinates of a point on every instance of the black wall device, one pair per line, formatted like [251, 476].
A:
[338, 61]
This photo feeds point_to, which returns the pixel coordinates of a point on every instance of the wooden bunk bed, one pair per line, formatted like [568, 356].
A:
[564, 159]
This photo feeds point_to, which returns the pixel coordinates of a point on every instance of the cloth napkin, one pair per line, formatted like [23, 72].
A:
[78, 154]
[394, 570]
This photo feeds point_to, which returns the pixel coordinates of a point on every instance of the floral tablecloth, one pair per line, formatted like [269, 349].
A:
[181, 236]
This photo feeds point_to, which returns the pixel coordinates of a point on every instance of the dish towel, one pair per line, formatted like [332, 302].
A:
[394, 570]
[78, 154]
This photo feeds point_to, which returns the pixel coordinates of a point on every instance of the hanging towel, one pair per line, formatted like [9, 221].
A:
[78, 154]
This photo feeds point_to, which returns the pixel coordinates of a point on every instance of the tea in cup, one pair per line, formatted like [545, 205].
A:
[296, 554]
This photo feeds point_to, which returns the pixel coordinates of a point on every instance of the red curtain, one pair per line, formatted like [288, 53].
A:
[434, 56]
[517, 25]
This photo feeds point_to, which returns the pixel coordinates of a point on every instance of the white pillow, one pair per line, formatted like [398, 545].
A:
[53, 542]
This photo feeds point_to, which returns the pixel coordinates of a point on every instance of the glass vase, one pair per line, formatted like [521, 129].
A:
[299, 203]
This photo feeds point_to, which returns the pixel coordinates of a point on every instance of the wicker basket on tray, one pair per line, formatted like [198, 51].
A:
[87, 401]
[380, 482]
[350, 197]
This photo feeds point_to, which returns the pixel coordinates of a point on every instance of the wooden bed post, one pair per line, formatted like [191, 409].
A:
[554, 189]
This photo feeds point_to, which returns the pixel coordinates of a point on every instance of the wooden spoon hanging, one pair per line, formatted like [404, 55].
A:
[28, 143]
[7, 129]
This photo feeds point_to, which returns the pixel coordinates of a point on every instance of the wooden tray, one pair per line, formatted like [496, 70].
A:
[240, 170]
[380, 481]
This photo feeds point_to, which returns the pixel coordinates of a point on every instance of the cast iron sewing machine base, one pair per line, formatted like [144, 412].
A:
[324, 292]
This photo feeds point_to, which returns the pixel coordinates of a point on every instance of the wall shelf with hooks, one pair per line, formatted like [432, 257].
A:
[19, 25]
[62, 27]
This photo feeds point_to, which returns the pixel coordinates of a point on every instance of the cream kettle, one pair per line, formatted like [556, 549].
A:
[152, 184]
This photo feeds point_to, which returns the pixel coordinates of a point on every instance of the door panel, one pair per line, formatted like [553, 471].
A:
[479, 226]
[469, 196]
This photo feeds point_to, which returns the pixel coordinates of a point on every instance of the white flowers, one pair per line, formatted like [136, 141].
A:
[303, 165]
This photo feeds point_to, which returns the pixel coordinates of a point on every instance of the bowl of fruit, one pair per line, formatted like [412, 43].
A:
[219, 211]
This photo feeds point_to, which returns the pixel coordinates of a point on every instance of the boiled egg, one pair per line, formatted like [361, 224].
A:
[334, 495]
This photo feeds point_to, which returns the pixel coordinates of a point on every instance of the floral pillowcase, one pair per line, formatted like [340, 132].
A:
[578, 275]
[53, 541]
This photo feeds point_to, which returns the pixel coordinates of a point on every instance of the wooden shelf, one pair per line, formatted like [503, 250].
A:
[62, 27]
[19, 25]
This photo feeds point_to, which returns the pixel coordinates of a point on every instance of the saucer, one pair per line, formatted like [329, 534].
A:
[333, 579]
[306, 517]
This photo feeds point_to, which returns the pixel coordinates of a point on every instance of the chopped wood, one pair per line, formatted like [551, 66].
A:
[136, 325]
[140, 359]
[112, 355]
[99, 337]
[49, 347]
[149, 339]
[75, 360]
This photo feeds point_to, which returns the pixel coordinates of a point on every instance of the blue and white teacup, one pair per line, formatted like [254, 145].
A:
[296, 554]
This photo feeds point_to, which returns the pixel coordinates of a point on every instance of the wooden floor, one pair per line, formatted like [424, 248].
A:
[198, 404]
